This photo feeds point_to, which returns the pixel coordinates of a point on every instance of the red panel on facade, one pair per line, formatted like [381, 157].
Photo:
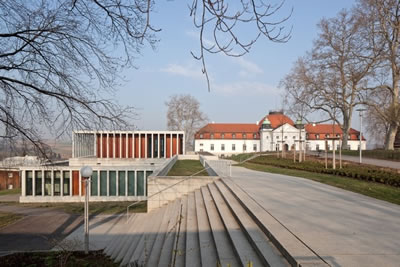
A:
[174, 137]
[180, 147]
[104, 144]
[110, 146]
[117, 141]
[98, 140]
[136, 145]
[123, 140]
[168, 145]
[143, 144]
[130, 142]
[75, 183]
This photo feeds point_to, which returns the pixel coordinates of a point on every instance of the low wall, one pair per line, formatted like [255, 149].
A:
[174, 187]
[166, 167]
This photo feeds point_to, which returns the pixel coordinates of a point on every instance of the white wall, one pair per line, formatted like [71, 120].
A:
[270, 138]
[312, 144]
[205, 146]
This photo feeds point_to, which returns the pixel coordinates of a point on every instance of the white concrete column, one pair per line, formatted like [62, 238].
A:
[61, 183]
[23, 182]
[33, 182]
[73, 144]
[70, 182]
[52, 183]
[43, 183]
[107, 146]
[165, 145]
[98, 182]
[120, 145]
[114, 143]
[177, 144]
[126, 145]
[95, 144]
[133, 145]
[135, 182]
[108, 183]
[140, 145]
[126, 183]
[145, 145]
[170, 147]
[183, 144]
[158, 146]
[101, 145]
[117, 181]
[152, 146]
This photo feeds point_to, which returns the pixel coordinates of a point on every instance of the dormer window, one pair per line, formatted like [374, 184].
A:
[244, 136]
[222, 136]
[212, 136]
[317, 136]
[233, 136]
[327, 136]
[254, 136]
[201, 136]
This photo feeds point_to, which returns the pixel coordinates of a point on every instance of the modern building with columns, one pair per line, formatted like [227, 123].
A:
[121, 162]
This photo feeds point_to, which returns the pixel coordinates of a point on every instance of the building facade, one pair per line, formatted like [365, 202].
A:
[274, 132]
[121, 162]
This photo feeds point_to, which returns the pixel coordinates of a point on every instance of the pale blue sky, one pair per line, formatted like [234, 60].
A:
[242, 89]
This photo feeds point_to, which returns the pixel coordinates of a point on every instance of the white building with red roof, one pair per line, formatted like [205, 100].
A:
[273, 132]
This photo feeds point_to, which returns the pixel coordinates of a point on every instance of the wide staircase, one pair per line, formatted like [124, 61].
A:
[213, 226]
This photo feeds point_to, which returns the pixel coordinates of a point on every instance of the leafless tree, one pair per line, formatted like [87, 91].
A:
[331, 78]
[184, 114]
[60, 59]
[384, 34]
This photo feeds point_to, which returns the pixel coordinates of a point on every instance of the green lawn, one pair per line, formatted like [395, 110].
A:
[10, 191]
[393, 155]
[371, 189]
[241, 157]
[94, 207]
[7, 218]
[187, 168]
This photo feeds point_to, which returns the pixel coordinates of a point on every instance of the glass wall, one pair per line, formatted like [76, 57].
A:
[103, 183]
[113, 183]
[57, 183]
[140, 183]
[121, 183]
[28, 189]
[94, 183]
[47, 183]
[131, 183]
[38, 183]
[66, 183]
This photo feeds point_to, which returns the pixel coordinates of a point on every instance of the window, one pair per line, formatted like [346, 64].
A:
[140, 183]
[337, 147]
[267, 137]
[28, 189]
[317, 147]
[327, 136]
[244, 148]
[233, 147]
[277, 137]
[222, 136]
[201, 136]
[285, 136]
[212, 136]
[222, 147]
[201, 144]
[255, 136]
[66, 183]
[47, 183]
[212, 147]
[233, 136]
[317, 137]
[121, 183]
[244, 136]
[294, 137]
[57, 183]
[112, 189]
[131, 183]
[38, 183]
[254, 147]
[94, 182]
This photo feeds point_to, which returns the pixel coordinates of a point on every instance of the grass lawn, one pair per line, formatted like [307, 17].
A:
[14, 191]
[94, 207]
[393, 155]
[187, 168]
[7, 218]
[371, 189]
[58, 258]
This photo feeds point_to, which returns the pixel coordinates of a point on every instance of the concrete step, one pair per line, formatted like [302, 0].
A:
[172, 230]
[121, 243]
[133, 238]
[206, 244]
[192, 251]
[117, 235]
[142, 250]
[241, 245]
[268, 253]
[137, 244]
[295, 251]
[224, 248]
[155, 252]
[178, 254]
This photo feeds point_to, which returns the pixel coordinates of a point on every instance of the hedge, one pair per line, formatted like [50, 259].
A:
[366, 173]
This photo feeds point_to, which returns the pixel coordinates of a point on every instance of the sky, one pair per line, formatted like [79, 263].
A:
[243, 89]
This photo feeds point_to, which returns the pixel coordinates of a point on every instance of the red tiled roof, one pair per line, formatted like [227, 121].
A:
[323, 129]
[277, 119]
[228, 129]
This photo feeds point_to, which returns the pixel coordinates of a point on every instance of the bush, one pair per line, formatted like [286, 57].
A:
[366, 173]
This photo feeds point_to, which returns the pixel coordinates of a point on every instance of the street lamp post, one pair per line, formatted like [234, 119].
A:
[360, 112]
[86, 173]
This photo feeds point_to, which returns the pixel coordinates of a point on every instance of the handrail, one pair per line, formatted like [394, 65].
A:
[185, 179]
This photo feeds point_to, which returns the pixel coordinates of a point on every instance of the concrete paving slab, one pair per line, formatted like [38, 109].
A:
[342, 227]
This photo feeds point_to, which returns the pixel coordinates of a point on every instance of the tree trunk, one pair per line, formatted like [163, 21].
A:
[390, 137]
